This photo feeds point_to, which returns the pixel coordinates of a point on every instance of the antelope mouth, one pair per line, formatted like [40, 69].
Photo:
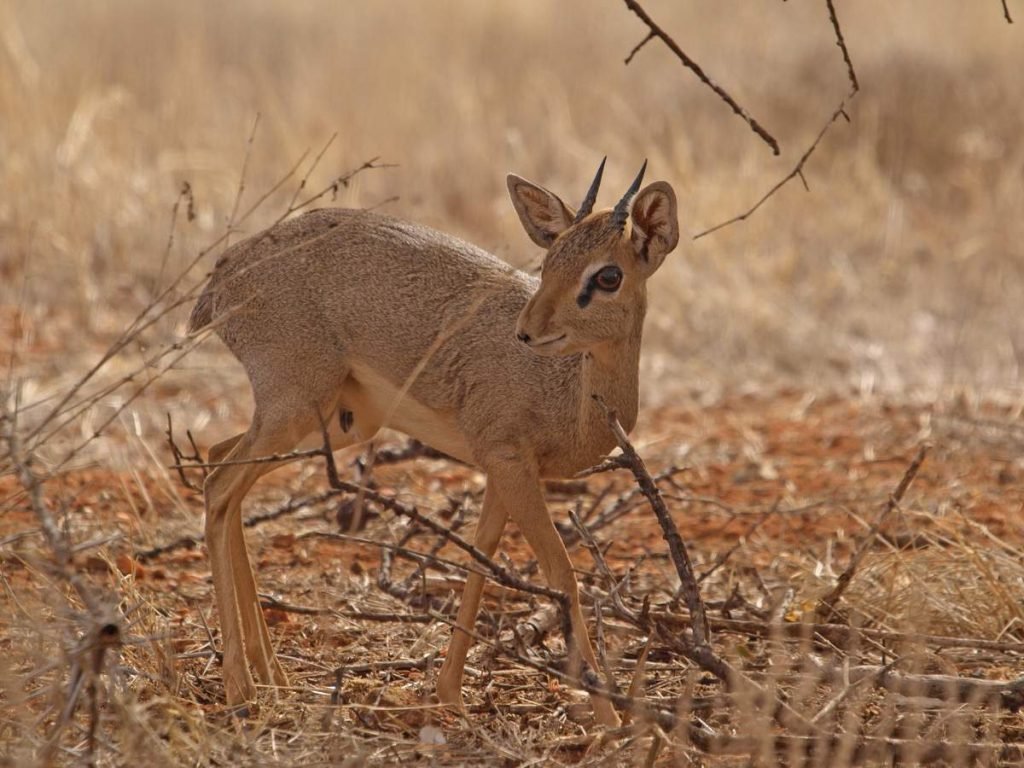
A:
[552, 344]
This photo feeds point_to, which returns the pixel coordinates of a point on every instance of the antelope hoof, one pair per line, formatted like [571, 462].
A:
[450, 696]
[605, 714]
[277, 675]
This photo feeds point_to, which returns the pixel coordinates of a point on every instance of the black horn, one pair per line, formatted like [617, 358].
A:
[588, 202]
[622, 207]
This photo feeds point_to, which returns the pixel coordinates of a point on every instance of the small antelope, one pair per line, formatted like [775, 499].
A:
[366, 321]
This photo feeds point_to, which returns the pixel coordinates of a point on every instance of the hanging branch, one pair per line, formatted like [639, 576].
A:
[693, 66]
[798, 169]
[1006, 13]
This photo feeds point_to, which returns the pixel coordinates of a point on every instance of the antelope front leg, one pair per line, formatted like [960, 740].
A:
[521, 495]
[488, 533]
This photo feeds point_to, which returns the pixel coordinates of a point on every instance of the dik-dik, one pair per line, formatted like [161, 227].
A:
[364, 321]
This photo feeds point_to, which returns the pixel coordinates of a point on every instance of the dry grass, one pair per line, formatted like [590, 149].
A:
[899, 275]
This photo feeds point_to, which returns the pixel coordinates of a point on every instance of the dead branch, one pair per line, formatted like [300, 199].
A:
[826, 605]
[1009, 693]
[798, 169]
[621, 506]
[841, 635]
[693, 66]
[273, 458]
[189, 542]
[841, 43]
[531, 629]
[412, 449]
[179, 457]
[677, 548]
[422, 664]
[101, 628]
[1006, 13]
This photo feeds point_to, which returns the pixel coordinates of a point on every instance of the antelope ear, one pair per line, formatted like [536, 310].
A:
[655, 225]
[543, 214]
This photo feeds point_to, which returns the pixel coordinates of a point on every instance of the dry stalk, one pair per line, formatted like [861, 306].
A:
[826, 606]
[180, 457]
[100, 625]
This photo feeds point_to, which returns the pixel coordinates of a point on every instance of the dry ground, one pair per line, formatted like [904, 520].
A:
[794, 364]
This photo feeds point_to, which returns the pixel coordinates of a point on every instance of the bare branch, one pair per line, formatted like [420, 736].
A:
[798, 170]
[636, 49]
[677, 548]
[855, 86]
[693, 66]
[195, 459]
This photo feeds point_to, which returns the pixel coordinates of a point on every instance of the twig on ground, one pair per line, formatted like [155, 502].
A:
[842, 635]
[826, 605]
[693, 66]
[677, 548]
[1009, 693]
[621, 506]
[421, 664]
[192, 541]
[273, 458]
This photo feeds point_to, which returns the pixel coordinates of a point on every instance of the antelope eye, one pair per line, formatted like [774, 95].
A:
[608, 278]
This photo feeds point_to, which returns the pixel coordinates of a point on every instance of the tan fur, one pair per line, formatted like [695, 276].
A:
[412, 329]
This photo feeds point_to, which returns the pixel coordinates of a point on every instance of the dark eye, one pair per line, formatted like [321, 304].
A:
[608, 278]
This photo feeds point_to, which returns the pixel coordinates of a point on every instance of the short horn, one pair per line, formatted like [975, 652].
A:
[621, 211]
[588, 202]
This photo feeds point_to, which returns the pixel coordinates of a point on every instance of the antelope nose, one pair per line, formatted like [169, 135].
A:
[523, 336]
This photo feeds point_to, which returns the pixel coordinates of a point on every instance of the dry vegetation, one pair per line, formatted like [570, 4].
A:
[794, 365]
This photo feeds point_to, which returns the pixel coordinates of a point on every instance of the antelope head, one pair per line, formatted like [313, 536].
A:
[593, 280]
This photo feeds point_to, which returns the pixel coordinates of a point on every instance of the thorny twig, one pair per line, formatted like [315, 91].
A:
[693, 66]
[798, 169]
[677, 548]
[101, 624]
[826, 605]
[180, 458]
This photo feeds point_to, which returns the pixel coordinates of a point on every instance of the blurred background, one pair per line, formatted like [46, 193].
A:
[899, 272]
